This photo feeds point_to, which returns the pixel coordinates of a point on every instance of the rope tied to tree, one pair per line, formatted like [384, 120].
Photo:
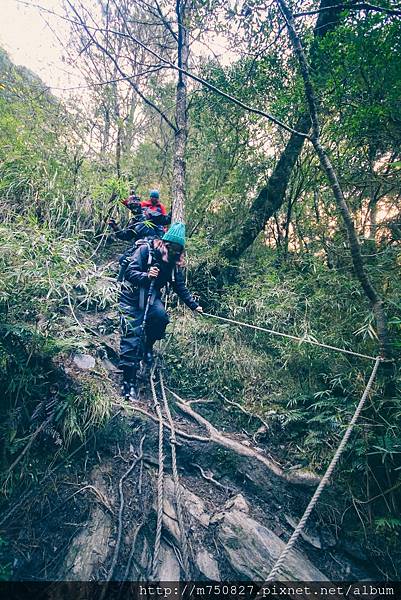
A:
[299, 528]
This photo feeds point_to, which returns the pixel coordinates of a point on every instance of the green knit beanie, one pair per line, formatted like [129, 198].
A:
[176, 234]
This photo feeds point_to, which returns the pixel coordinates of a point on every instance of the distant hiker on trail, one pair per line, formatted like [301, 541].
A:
[150, 269]
[133, 203]
[155, 211]
[154, 202]
[147, 223]
[148, 220]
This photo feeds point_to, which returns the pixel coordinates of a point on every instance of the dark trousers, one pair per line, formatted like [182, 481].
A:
[131, 316]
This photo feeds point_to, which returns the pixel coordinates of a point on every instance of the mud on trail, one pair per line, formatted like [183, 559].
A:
[93, 516]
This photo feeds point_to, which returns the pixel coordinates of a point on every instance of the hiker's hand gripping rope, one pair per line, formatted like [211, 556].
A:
[112, 223]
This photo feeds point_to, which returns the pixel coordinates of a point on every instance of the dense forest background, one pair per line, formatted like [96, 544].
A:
[267, 239]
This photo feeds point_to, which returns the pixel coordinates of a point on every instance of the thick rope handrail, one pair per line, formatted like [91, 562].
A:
[291, 337]
[160, 481]
[297, 532]
[177, 487]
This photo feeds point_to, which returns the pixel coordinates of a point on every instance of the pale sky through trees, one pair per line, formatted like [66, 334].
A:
[29, 41]
[38, 40]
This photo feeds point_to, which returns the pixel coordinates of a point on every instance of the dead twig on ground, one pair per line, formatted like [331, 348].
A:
[211, 478]
[243, 410]
[29, 444]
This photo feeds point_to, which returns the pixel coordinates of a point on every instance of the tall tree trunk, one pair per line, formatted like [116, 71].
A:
[271, 197]
[357, 260]
[373, 220]
[106, 131]
[287, 226]
[374, 195]
[118, 148]
[181, 116]
[119, 125]
[128, 137]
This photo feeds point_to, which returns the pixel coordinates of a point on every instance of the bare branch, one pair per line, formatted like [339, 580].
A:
[358, 6]
[191, 75]
[218, 91]
[166, 22]
[115, 62]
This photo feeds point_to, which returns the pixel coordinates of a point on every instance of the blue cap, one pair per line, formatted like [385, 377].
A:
[154, 194]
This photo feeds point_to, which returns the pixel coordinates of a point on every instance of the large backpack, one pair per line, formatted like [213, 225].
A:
[128, 254]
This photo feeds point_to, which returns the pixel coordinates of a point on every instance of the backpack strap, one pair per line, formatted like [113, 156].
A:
[172, 281]
[142, 290]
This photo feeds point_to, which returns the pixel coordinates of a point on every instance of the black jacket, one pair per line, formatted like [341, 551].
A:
[128, 233]
[139, 228]
[150, 223]
[137, 276]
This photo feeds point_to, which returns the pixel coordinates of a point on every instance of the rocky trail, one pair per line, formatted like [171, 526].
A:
[95, 517]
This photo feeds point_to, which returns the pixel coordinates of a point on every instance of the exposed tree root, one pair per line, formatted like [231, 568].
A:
[222, 440]
[211, 478]
[99, 495]
[184, 434]
[217, 437]
[120, 513]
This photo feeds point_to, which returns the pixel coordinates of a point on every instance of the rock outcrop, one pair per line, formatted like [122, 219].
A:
[252, 548]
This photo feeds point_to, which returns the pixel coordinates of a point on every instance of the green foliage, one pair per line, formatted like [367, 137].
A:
[393, 524]
[307, 394]
[364, 82]
[43, 276]
[56, 193]
[80, 412]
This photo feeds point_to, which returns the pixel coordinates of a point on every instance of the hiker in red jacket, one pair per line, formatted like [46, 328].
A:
[149, 218]
[154, 210]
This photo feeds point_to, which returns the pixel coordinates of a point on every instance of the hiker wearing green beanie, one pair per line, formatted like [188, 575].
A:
[176, 235]
[160, 262]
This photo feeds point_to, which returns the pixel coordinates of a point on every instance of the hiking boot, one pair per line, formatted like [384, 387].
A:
[148, 357]
[130, 391]
[130, 386]
[133, 392]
